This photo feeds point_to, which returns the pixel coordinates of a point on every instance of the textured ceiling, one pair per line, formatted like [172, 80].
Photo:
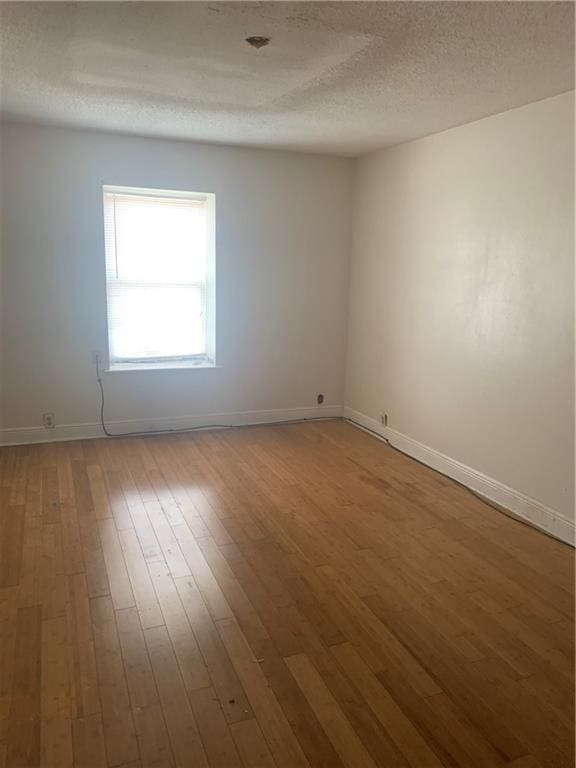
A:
[340, 77]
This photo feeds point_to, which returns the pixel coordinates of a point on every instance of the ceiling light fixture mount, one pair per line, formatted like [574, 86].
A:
[257, 41]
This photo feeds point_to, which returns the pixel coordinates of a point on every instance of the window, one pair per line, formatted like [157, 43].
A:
[159, 278]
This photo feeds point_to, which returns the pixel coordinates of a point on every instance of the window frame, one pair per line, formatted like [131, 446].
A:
[189, 362]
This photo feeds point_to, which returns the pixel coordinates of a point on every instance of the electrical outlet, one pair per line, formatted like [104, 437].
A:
[49, 420]
[384, 419]
[320, 399]
[95, 357]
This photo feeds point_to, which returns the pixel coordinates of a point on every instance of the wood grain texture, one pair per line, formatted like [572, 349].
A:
[297, 596]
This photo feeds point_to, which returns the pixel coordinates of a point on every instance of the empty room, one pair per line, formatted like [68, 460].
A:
[287, 384]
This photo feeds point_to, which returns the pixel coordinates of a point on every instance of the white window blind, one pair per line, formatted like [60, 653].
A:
[159, 276]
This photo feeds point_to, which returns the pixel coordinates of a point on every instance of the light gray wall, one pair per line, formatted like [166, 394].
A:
[283, 242]
[462, 296]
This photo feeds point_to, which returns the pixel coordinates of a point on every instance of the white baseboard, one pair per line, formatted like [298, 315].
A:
[523, 506]
[27, 435]
[535, 512]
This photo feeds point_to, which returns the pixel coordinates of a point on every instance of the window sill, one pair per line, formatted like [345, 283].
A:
[172, 365]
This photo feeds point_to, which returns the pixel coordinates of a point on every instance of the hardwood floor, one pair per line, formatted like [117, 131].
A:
[273, 597]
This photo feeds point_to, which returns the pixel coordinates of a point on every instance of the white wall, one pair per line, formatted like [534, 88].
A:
[283, 240]
[462, 291]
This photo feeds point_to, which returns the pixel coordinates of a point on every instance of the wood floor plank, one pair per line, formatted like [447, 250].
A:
[50, 495]
[203, 576]
[338, 728]
[146, 536]
[9, 605]
[142, 587]
[98, 491]
[94, 565]
[117, 720]
[252, 745]
[52, 580]
[215, 733]
[153, 741]
[303, 721]
[225, 680]
[33, 491]
[88, 742]
[167, 540]
[56, 742]
[399, 727]
[11, 544]
[152, 736]
[190, 660]
[64, 468]
[181, 725]
[120, 586]
[23, 734]
[283, 744]
[56, 707]
[29, 582]
[85, 700]
[72, 555]
[115, 482]
[139, 677]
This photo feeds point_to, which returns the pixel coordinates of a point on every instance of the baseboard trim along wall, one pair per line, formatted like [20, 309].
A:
[28, 435]
[523, 506]
[519, 504]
